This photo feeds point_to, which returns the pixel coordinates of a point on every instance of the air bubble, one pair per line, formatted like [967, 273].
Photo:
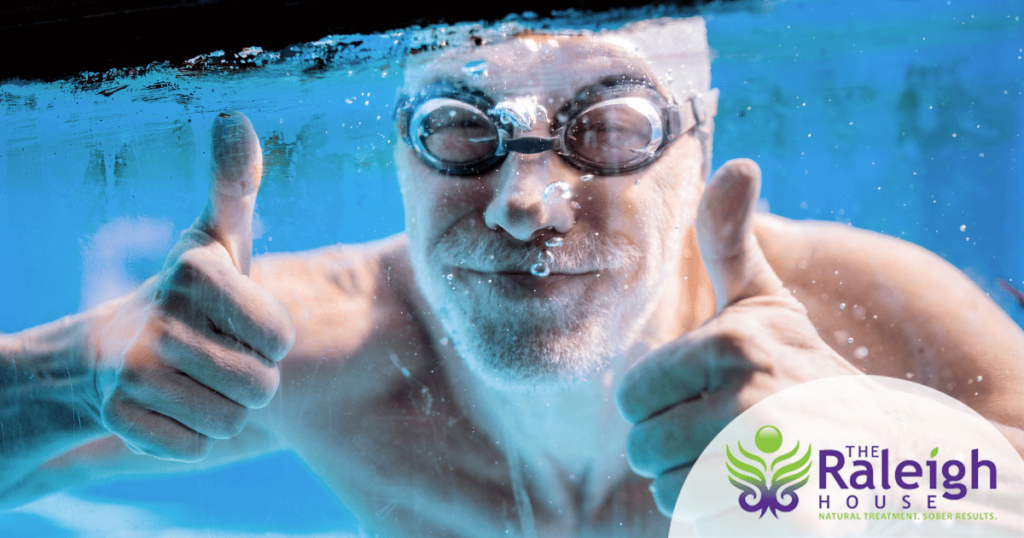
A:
[637, 183]
[554, 242]
[540, 269]
[545, 256]
[475, 69]
[574, 205]
[842, 306]
[449, 276]
[849, 340]
[587, 177]
[555, 191]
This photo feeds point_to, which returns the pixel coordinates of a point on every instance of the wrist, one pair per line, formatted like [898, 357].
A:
[50, 369]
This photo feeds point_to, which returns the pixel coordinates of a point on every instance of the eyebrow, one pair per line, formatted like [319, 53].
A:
[615, 80]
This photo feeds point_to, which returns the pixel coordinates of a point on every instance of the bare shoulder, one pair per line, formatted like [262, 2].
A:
[361, 391]
[894, 308]
[357, 333]
[340, 294]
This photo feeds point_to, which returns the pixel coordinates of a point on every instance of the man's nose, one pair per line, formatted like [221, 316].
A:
[519, 204]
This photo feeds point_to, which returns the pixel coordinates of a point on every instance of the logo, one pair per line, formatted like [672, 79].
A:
[876, 456]
[768, 487]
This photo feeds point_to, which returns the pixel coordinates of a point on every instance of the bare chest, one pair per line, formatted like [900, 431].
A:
[412, 463]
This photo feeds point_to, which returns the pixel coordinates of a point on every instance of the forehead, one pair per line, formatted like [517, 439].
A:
[542, 65]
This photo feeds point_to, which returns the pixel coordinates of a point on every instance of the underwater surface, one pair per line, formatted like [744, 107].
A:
[902, 117]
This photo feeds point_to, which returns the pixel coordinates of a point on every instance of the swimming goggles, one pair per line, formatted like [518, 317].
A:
[612, 128]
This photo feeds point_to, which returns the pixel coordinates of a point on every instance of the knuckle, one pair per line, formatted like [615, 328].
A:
[228, 422]
[190, 269]
[287, 335]
[115, 413]
[624, 401]
[629, 398]
[278, 330]
[250, 381]
[262, 388]
[137, 360]
[234, 421]
[638, 453]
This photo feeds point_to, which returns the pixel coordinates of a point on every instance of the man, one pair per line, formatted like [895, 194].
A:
[563, 266]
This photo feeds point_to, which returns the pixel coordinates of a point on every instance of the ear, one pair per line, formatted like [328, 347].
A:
[705, 130]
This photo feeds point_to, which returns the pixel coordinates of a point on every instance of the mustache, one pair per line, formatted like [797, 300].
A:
[496, 251]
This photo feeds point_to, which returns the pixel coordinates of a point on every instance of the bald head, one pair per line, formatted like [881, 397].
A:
[672, 54]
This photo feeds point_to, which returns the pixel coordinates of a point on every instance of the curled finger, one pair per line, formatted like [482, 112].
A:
[681, 371]
[678, 436]
[221, 364]
[151, 433]
[666, 488]
[179, 397]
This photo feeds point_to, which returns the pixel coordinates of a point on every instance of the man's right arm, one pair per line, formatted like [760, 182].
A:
[167, 369]
[48, 400]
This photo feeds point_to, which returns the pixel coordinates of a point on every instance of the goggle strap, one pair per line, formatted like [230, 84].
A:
[700, 112]
[673, 123]
[680, 120]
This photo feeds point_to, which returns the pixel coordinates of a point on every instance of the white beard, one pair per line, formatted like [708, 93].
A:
[538, 343]
[526, 344]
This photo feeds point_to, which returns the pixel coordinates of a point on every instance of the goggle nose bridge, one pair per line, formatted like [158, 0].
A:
[528, 145]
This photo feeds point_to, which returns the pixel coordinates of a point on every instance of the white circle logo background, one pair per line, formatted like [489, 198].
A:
[860, 411]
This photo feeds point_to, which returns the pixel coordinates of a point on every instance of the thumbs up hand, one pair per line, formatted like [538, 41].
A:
[179, 362]
[759, 342]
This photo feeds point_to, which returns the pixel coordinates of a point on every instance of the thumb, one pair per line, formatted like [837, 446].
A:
[728, 247]
[236, 167]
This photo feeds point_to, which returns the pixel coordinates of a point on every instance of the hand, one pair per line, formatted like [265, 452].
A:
[760, 342]
[179, 362]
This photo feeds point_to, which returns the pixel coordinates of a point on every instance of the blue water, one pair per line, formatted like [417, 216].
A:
[849, 107]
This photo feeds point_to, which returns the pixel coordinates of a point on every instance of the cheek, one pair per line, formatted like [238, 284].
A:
[677, 184]
[666, 192]
[435, 202]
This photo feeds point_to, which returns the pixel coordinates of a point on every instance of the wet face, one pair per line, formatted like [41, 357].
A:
[610, 242]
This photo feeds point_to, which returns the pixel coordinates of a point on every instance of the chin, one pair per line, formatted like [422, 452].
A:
[514, 349]
[549, 340]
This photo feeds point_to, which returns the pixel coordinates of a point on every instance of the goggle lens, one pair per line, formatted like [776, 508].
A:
[611, 136]
[457, 134]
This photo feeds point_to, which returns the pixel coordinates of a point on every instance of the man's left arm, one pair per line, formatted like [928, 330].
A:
[911, 314]
[761, 341]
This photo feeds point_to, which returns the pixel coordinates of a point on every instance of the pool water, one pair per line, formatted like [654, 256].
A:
[899, 117]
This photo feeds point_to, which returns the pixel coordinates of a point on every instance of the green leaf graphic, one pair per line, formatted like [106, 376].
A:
[801, 466]
[934, 452]
[755, 475]
[751, 456]
[786, 456]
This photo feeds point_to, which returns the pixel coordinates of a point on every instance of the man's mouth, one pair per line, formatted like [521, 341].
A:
[521, 283]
